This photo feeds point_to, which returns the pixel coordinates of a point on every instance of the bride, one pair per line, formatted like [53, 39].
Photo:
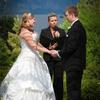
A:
[29, 78]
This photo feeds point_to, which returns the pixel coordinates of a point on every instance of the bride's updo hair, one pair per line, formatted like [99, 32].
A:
[25, 17]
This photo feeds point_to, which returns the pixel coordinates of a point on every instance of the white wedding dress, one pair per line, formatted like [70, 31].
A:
[29, 78]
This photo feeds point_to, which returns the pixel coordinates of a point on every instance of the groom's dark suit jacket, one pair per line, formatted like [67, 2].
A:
[74, 49]
[46, 38]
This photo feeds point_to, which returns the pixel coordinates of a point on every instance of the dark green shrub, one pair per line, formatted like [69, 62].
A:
[4, 53]
[91, 89]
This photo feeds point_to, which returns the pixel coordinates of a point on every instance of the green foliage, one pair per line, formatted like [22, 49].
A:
[9, 44]
[92, 71]
[4, 53]
[13, 41]
[91, 89]
[16, 24]
[65, 25]
[6, 26]
[93, 51]
[3, 72]
[89, 15]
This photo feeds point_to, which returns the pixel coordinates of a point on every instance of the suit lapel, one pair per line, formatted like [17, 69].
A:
[68, 32]
[71, 28]
[48, 33]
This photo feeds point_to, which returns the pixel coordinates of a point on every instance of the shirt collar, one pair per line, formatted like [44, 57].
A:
[74, 21]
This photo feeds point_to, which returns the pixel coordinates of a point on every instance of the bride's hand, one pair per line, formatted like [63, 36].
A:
[49, 52]
[51, 47]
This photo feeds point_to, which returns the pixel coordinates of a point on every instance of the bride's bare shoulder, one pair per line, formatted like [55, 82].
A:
[25, 32]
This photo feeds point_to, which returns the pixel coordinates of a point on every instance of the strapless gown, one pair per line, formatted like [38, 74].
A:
[28, 78]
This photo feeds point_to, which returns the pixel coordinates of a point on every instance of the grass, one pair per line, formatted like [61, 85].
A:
[65, 92]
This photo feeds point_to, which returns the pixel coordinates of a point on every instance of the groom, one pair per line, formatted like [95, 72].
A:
[73, 54]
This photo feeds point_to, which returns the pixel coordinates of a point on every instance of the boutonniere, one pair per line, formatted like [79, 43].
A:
[57, 34]
[69, 27]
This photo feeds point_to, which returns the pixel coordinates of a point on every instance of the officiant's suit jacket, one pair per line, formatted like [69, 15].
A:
[46, 38]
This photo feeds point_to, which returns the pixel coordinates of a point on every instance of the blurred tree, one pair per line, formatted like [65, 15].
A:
[9, 44]
[13, 39]
[89, 15]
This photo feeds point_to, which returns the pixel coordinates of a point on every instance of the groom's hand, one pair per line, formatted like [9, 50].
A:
[54, 53]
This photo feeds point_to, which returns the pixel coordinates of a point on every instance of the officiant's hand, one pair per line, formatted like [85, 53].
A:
[51, 47]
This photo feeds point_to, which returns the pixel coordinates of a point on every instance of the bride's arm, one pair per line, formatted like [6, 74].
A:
[40, 44]
[27, 36]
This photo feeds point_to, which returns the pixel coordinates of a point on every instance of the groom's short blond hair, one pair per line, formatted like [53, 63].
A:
[72, 9]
